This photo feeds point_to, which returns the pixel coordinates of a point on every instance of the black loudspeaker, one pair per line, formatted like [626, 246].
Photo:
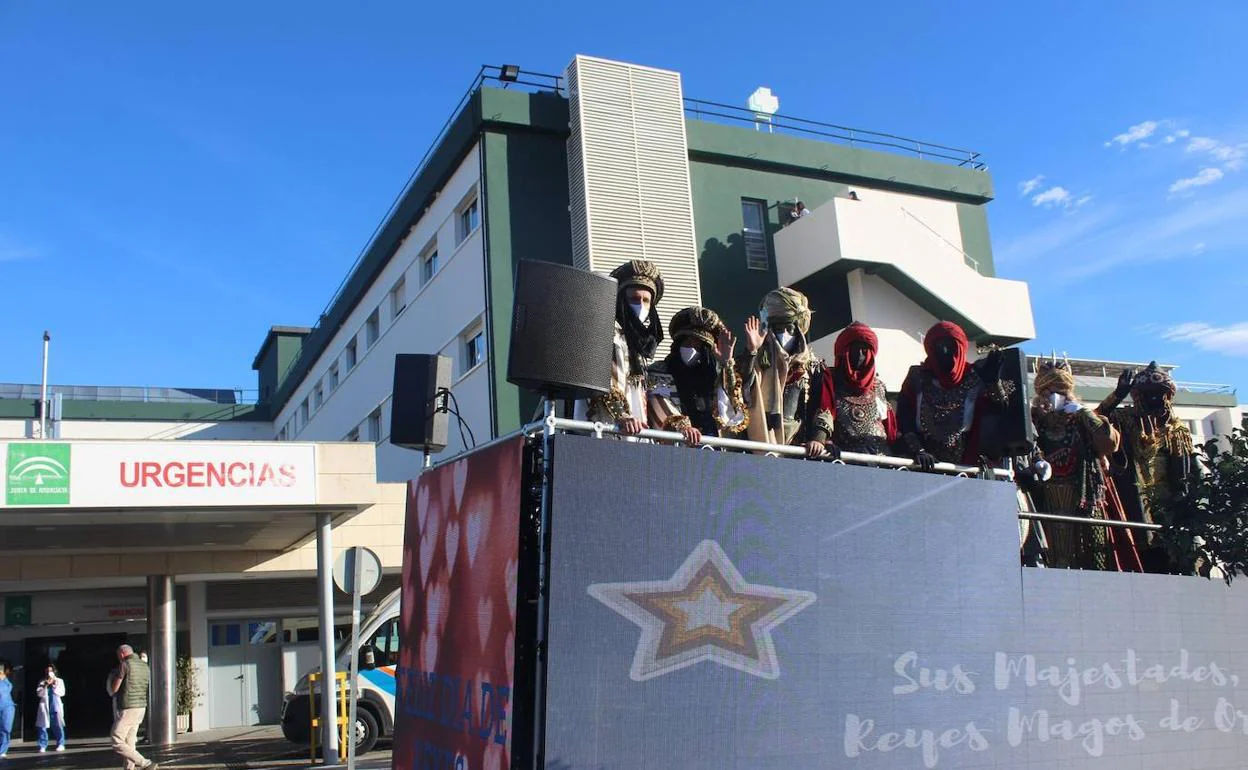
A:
[562, 329]
[1008, 432]
[418, 419]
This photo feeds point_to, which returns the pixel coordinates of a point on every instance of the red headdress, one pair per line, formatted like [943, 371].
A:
[858, 381]
[946, 330]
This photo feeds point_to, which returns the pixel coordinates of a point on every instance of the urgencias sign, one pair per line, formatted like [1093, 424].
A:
[125, 474]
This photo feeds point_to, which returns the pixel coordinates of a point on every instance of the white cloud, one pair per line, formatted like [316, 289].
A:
[1199, 248]
[1026, 188]
[1231, 156]
[1088, 251]
[1228, 340]
[1136, 133]
[1182, 133]
[1206, 176]
[1054, 196]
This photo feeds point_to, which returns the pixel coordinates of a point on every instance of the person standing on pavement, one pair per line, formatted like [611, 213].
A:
[51, 710]
[131, 691]
[7, 709]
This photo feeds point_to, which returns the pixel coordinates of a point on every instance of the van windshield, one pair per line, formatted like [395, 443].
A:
[384, 636]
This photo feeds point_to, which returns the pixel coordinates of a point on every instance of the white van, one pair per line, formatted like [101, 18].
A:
[379, 656]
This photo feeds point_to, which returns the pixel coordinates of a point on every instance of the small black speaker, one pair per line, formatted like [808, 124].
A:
[415, 419]
[562, 329]
[1008, 432]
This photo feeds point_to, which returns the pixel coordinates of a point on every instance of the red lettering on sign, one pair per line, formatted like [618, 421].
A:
[198, 474]
[134, 482]
[194, 474]
[150, 473]
[174, 475]
[266, 475]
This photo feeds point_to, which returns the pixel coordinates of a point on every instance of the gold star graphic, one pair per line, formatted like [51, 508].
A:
[705, 612]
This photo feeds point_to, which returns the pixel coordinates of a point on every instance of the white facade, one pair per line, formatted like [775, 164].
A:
[438, 307]
[881, 233]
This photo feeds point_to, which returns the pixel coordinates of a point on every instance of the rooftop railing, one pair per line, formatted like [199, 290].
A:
[221, 396]
[787, 124]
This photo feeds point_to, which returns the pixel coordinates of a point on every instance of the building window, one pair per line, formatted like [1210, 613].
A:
[303, 412]
[283, 433]
[354, 435]
[349, 355]
[469, 218]
[398, 298]
[473, 353]
[372, 328]
[374, 426]
[318, 396]
[754, 234]
[333, 378]
[428, 266]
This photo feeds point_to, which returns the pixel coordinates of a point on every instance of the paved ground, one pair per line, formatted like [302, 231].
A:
[230, 749]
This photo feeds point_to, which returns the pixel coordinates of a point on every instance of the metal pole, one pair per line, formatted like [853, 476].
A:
[43, 389]
[356, 567]
[543, 588]
[162, 657]
[325, 582]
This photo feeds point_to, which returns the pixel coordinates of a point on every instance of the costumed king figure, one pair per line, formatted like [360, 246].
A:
[789, 399]
[862, 419]
[695, 390]
[1156, 456]
[638, 333]
[944, 399]
[1076, 443]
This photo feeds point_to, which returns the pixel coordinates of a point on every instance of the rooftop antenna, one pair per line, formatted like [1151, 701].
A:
[764, 104]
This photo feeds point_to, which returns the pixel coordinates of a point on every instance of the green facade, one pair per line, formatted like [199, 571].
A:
[524, 175]
[729, 164]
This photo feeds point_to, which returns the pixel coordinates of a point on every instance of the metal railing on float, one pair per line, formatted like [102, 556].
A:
[553, 425]
[600, 429]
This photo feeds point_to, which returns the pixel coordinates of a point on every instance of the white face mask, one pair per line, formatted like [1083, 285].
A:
[689, 355]
[1056, 401]
[786, 341]
[643, 312]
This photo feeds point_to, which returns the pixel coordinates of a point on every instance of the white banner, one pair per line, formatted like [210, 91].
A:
[142, 474]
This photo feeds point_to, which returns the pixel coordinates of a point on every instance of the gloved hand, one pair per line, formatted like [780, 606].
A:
[1123, 388]
[925, 460]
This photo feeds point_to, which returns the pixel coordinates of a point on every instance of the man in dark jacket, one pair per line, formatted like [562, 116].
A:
[130, 690]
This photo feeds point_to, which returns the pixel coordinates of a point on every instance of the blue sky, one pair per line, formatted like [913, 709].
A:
[177, 177]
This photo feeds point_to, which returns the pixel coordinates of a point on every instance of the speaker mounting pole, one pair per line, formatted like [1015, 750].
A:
[543, 582]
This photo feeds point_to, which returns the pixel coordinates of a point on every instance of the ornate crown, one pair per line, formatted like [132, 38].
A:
[697, 322]
[640, 272]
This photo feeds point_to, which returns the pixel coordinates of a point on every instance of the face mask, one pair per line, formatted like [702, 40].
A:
[1056, 401]
[643, 312]
[689, 355]
[785, 339]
